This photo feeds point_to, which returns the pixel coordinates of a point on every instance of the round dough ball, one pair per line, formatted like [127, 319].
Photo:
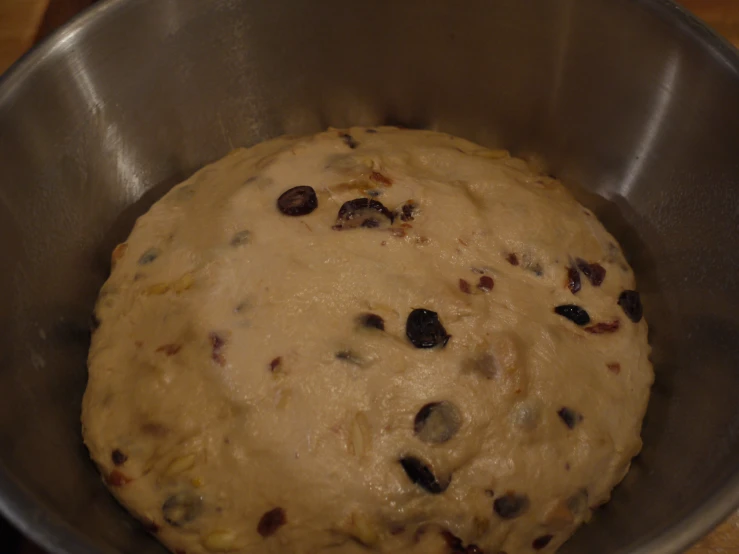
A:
[427, 347]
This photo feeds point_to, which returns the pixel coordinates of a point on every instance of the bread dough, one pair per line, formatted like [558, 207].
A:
[256, 386]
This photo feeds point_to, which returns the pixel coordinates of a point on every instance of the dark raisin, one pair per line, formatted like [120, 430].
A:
[604, 327]
[371, 321]
[570, 417]
[541, 542]
[486, 283]
[118, 457]
[630, 303]
[595, 273]
[512, 259]
[349, 140]
[362, 212]
[422, 475]
[424, 329]
[573, 280]
[454, 543]
[437, 422]
[242, 237]
[408, 211]
[271, 521]
[511, 505]
[297, 201]
[574, 313]
[149, 256]
[182, 508]
[464, 286]
[274, 364]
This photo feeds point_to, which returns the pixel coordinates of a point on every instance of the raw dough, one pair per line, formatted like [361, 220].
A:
[253, 387]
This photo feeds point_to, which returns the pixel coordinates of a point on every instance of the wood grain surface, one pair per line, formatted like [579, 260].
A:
[24, 21]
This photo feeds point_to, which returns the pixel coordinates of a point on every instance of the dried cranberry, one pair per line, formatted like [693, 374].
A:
[595, 273]
[614, 367]
[573, 280]
[424, 329]
[118, 478]
[486, 283]
[372, 321]
[217, 343]
[275, 363]
[271, 521]
[512, 259]
[604, 327]
[297, 201]
[541, 542]
[630, 303]
[574, 313]
[349, 140]
[511, 505]
[570, 417]
[464, 286]
[378, 177]
[422, 475]
[363, 212]
[437, 422]
[169, 349]
[182, 508]
[118, 457]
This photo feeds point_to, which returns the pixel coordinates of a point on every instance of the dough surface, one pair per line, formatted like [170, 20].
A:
[255, 385]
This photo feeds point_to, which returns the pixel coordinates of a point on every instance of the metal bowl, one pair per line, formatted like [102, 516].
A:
[633, 103]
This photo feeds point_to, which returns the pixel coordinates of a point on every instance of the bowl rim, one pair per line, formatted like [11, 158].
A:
[51, 532]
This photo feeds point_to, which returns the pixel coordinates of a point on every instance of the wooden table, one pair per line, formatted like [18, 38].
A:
[22, 22]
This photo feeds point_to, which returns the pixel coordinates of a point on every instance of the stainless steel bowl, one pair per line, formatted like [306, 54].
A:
[632, 102]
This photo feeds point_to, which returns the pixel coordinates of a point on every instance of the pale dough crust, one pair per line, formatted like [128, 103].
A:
[236, 404]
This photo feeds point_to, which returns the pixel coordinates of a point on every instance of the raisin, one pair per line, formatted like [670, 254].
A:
[371, 321]
[614, 367]
[484, 364]
[511, 505]
[573, 280]
[464, 286]
[574, 313]
[595, 273]
[604, 327]
[118, 457]
[424, 329]
[363, 212]
[182, 508]
[512, 259]
[271, 521]
[349, 356]
[422, 475]
[349, 140]
[486, 283]
[274, 364]
[217, 343]
[437, 422]
[570, 417]
[630, 303]
[149, 256]
[297, 201]
[408, 211]
[541, 542]
[242, 237]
